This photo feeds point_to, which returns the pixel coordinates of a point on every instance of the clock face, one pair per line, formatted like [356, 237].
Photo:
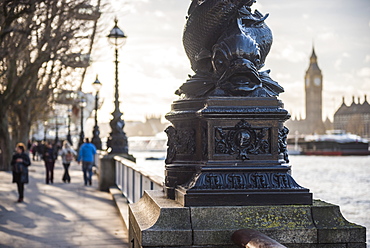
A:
[317, 81]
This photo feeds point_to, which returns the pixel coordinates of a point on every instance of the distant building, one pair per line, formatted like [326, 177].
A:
[313, 92]
[150, 127]
[354, 118]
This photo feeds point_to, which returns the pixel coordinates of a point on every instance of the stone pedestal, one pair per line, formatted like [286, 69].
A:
[107, 170]
[230, 151]
[156, 221]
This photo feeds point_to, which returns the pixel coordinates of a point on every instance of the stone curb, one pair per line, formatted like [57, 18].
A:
[121, 203]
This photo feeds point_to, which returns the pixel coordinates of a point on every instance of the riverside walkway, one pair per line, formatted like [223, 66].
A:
[59, 214]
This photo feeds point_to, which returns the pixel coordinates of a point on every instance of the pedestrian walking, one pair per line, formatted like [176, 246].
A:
[40, 150]
[20, 162]
[86, 155]
[68, 155]
[29, 145]
[33, 151]
[49, 158]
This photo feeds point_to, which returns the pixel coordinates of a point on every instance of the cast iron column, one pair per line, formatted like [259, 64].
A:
[56, 130]
[82, 134]
[69, 138]
[96, 139]
[117, 142]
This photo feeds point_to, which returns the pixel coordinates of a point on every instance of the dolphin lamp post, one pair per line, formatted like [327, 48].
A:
[56, 130]
[45, 130]
[96, 139]
[70, 98]
[69, 137]
[82, 104]
[117, 142]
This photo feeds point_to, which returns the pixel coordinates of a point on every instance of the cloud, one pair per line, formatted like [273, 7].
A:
[159, 13]
[309, 29]
[348, 77]
[166, 57]
[338, 63]
[291, 54]
[282, 76]
[364, 72]
[167, 27]
[326, 36]
[367, 58]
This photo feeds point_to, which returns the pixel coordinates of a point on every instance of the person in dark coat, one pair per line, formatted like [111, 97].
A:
[40, 149]
[49, 158]
[20, 162]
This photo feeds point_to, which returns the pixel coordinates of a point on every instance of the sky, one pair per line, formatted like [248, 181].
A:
[153, 63]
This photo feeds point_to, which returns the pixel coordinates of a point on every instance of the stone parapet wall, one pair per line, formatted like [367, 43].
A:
[156, 221]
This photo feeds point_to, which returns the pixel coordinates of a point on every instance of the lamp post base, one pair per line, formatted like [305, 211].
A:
[118, 143]
[96, 140]
[230, 151]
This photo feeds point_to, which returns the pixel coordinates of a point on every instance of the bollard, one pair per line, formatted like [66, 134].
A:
[249, 238]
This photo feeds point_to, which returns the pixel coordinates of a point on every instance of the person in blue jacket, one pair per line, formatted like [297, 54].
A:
[86, 155]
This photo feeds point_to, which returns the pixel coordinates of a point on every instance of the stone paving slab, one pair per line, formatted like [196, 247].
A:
[59, 214]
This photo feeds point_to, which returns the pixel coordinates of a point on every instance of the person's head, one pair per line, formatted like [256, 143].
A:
[87, 140]
[66, 144]
[49, 145]
[20, 148]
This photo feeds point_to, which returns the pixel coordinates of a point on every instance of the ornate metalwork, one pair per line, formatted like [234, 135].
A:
[227, 45]
[180, 141]
[242, 140]
[244, 181]
[282, 143]
[227, 143]
[117, 141]
[96, 132]
[171, 144]
[204, 139]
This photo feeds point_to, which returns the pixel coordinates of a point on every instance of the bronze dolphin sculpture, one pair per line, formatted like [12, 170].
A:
[227, 45]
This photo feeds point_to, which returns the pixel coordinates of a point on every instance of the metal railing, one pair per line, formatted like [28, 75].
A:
[133, 180]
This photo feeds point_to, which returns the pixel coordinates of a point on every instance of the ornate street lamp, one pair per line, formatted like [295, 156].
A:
[117, 142]
[56, 130]
[82, 104]
[96, 139]
[45, 129]
[69, 137]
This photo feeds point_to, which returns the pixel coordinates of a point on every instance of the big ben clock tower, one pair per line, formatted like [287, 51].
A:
[313, 89]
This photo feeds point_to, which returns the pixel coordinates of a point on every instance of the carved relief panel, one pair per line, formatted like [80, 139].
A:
[242, 140]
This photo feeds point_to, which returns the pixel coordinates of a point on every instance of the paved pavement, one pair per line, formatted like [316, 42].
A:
[59, 214]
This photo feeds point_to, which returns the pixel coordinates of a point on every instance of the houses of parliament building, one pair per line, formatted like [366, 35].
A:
[353, 118]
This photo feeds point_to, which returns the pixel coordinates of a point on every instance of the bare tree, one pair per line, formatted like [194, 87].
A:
[40, 44]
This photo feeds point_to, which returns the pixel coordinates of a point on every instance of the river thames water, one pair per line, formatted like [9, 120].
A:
[343, 181]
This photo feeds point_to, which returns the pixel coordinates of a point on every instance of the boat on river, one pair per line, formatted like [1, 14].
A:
[334, 143]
